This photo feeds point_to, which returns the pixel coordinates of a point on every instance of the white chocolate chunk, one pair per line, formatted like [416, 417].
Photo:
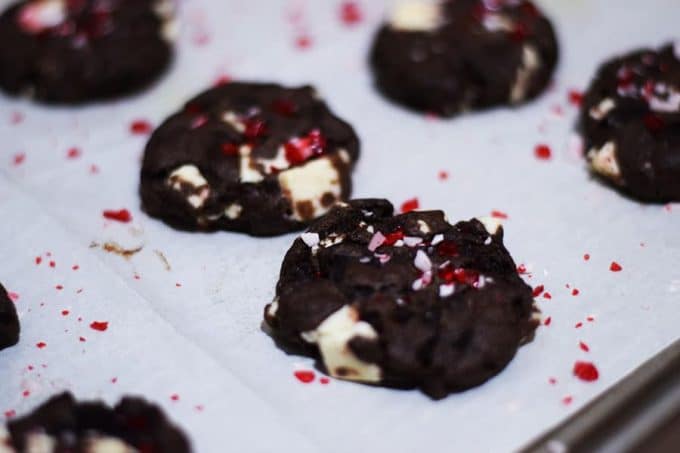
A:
[108, 445]
[530, 63]
[233, 211]
[310, 239]
[446, 290]
[190, 175]
[234, 121]
[491, 224]
[165, 10]
[40, 443]
[40, 15]
[4, 441]
[309, 183]
[273, 308]
[437, 239]
[423, 227]
[601, 110]
[333, 336]
[247, 171]
[498, 22]
[604, 161]
[422, 261]
[414, 15]
[669, 105]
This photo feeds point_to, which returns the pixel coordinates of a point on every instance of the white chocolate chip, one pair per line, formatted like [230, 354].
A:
[165, 10]
[273, 308]
[108, 445]
[601, 110]
[437, 239]
[247, 171]
[311, 239]
[530, 63]
[498, 22]
[604, 161]
[669, 105]
[40, 443]
[414, 15]
[36, 16]
[190, 175]
[233, 211]
[344, 156]
[333, 336]
[412, 241]
[4, 441]
[491, 224]
[309, 183]
[234, 121]
[423, 227]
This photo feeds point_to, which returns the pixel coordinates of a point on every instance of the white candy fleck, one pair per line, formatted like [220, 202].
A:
[604, 161]
[446, 290]
[437, 239]
[412, 241]
[422, 261]
[333, 336]
[311, 239]
[233, 211]
[488, 240]
[601, 110]
[414, 15]
[370, 229]
[377, 240]
[422, 282]
[669, 105]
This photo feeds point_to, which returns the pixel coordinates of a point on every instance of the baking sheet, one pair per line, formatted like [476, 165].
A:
[188, 335]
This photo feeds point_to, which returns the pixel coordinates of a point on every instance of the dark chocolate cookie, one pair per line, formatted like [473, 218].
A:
[256, 158]
[9, 322]
[406, 301]
[452, 56]
[630, 122]
[74, 51]
[64, 425]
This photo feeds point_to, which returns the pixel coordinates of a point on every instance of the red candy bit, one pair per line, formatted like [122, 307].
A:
[543, 152]
[284, 107]
[538, 290]
[443, 175]
[567, 400]
[552, 381]
[304, 376]
[575, 98]
[584, 347]
[392, 238]
[466, 276]
[547, 321]
[578, 325]
[65, 312]
[350, 13]
[82, 339]
[586, 257]
[625, 77]
[521, 269]
[10, 413]
[254, 128]
[19, 159]
[73, 153]
[299, 150]
[410, 205]
[38, 260]
[230, 149]
[586, 371]
[222, 80]
[199, 121]
[654, 123]
[499, 215]
[141, 127]
[174, 397]
[324, 380]
[41, 345]
[547, 295]
[100, 326]
[575, 292]
[122, 215]
[303, 42]
[615, 267]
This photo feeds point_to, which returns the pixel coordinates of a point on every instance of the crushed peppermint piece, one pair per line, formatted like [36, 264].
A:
[410, 205]
[422, 261]
[586, 371]
[615, 267]
[377, 240]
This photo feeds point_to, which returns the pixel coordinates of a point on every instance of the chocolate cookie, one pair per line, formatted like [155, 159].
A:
[64, 425]
[256, 158]
[9, 322]
[452, 56]
[630, 122]
[74, 51]
[406, 301]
